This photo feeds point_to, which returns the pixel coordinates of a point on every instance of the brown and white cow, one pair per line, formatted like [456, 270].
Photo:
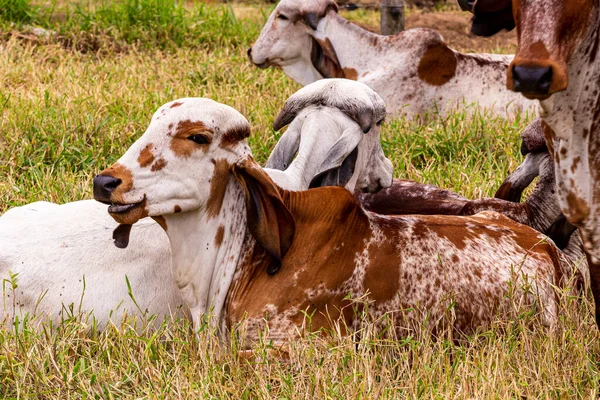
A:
[250, 251]
[540, 210]
[415, 71]
[57, 251]
[557, 62]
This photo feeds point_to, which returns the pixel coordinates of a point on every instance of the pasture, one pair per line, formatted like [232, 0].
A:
[74, 97]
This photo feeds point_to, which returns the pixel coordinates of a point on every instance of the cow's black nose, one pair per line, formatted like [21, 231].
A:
[536, 80]
[249, 52]
[104, 185]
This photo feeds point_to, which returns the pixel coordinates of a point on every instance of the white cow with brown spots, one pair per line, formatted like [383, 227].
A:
[249, 250]
[558, 63]
[414, 71]
[60, 250]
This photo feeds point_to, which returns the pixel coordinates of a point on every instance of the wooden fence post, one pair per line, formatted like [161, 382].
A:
[392, 16]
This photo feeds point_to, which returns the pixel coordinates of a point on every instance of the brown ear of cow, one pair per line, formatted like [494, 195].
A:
[324, 59]
[269, 220]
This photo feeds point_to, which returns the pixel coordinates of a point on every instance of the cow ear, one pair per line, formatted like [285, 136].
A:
[313, 17]
[324, 59]
[340, 161]
[269, 220]
[286, 148]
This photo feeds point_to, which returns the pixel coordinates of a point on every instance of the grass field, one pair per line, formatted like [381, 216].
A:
[71, 103]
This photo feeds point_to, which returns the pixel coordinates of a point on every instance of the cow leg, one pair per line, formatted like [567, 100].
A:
[595, 286]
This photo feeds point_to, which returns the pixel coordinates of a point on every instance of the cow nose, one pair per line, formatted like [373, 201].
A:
[249, 52]
[466, 5]
[104, 185]
[536, 80]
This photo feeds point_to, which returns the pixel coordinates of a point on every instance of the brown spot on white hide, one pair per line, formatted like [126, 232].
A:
[219, 236]
[146, 156]
[350, 73]
[437, 65]
[159, 164]
[578, 209]
[218, 184]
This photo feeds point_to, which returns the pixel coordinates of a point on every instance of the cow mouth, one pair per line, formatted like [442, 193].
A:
[123, 208]
[128, 213]
[536, 96]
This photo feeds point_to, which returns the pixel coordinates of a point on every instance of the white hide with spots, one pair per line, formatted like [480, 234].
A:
[414, 71]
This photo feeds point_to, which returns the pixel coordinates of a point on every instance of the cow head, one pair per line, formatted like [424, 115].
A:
[335, 129]
[179, 164]
[489, 16]
[287, 40]
[549, 33]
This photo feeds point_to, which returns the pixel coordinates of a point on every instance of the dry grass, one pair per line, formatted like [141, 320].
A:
[66, 114]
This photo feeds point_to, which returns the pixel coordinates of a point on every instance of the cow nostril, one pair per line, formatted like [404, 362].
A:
[249, 52]
[104, 185]
[535, 80]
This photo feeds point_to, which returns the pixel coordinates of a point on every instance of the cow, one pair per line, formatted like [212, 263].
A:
[414, 71]
[257, 256]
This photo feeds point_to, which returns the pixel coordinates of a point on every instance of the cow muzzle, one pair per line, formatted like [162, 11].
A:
[536, 80]
[124, 213]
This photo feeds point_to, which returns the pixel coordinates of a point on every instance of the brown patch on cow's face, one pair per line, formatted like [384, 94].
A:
[176, 209]
[161, 221]
[578, 208]
[121, 172]
[219, 236]
[132, 216]
[437, 65]
[176, 104]
[181, 145]
[146, 156]
[350, 73]
[235, 135]
[159, 164]
[218, 184]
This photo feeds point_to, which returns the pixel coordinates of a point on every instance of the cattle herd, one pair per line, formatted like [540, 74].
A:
[323, 235]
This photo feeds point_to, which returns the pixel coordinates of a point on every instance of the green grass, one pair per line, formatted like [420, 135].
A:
[71, 105]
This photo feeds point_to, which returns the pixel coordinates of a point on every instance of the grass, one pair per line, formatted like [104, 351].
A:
[71, 104]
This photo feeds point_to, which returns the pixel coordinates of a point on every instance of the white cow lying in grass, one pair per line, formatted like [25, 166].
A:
[415, 71]
[53, 247]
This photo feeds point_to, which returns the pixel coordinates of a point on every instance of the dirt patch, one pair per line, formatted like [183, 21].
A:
[454, 27]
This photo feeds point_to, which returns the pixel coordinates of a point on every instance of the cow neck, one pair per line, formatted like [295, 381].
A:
[570, 112]
[205, 251]
[543, 202]
[574, 117]
[324, 218]
[356, 48]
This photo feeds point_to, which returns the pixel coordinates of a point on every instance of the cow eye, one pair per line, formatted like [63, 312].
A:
[200, 139]
[283, 17]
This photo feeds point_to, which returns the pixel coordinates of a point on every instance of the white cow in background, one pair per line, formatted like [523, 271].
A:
[414, 71]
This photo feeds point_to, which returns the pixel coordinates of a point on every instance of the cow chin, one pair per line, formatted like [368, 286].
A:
[128, 214]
